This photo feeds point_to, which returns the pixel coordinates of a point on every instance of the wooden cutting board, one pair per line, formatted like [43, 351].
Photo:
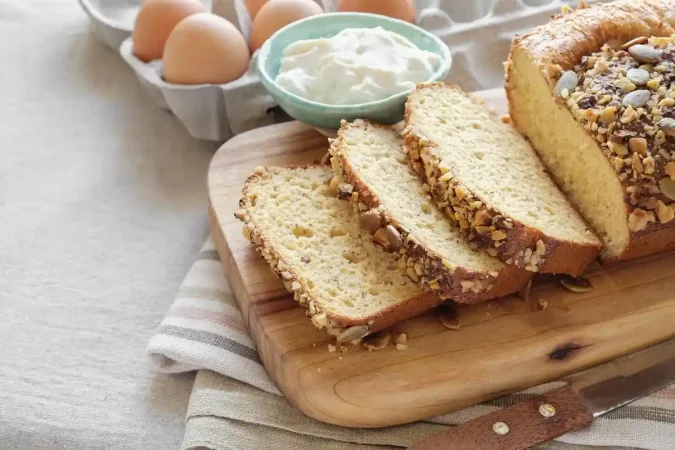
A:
[502, 346]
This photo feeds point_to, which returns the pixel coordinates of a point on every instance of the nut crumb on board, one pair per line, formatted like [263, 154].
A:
[401, 339]
[377, 341]
[331, 348]
[401, 347]
[542, 304]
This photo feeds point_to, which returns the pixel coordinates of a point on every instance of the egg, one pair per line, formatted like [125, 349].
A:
[397, 9]
[276, 14]
[253, 6]
[205, 49]
[155, 21]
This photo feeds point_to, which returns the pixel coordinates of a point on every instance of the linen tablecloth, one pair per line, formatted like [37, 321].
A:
[102, 209]
[234, 404]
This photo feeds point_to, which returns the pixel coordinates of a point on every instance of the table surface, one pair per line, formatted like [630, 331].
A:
[102, 208]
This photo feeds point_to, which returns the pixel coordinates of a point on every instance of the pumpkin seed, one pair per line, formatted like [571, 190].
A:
[636, 99]
[667, 187]
[639, 77]
[353, 333]
[575, 284]
[667, 125]
[568, 81]
[394, 238]
[645, 54]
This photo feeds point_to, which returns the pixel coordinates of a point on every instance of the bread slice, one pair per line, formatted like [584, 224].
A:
[619, 189]
[493, 182]
[369, 162]
[314, 242]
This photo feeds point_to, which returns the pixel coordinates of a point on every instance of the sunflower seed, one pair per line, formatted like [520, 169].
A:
[578, 284]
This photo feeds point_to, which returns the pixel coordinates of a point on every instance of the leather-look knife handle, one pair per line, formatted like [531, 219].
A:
[521, 426]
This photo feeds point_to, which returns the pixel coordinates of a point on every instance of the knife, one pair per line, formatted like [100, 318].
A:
[587, 395]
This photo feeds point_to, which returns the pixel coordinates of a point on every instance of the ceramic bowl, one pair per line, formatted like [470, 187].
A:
[389, 110]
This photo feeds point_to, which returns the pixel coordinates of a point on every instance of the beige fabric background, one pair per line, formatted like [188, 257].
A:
[102, 210]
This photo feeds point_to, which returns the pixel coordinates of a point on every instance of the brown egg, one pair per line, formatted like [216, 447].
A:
[276, 14]
[398, 9]
[155, 21]
[253, 6]
[205, 49]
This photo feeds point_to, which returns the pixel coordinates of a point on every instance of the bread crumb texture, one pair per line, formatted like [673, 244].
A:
[394, 206]
[316, 245]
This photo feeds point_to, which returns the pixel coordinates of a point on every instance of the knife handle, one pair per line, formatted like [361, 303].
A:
[520, 426]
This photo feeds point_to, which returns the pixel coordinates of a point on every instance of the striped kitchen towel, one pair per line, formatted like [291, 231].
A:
[204, 329]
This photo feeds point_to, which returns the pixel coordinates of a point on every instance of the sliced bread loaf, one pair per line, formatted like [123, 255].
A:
[600, 116]
[314, 242]
[371, 166]
[493, 183]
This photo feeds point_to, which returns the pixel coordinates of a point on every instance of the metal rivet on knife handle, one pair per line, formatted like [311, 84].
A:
[547, 410]
[589, 394]
[500, 428]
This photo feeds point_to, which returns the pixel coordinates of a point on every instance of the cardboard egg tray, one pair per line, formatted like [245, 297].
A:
[478, 33]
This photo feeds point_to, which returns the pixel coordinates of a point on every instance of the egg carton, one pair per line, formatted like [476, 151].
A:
[478, 33]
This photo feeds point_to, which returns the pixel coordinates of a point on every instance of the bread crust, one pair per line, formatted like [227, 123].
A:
[560, 44]
[568, 37]
[334, 323]
[457, 283]
[522, 242]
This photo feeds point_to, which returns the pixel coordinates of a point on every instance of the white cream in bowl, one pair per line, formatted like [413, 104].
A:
[357, 65]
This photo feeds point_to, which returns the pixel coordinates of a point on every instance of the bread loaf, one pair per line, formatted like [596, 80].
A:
[370, 164]
[592, 91]
[493, 183]
[313, 241]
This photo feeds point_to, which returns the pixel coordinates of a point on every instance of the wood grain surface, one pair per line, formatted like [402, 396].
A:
[501, 346]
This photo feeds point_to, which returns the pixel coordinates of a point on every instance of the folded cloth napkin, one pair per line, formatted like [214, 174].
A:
[235, 405]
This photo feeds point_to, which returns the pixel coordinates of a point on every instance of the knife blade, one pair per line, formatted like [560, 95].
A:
[589, 394]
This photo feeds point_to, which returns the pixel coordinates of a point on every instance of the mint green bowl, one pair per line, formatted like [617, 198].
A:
[388, 111]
